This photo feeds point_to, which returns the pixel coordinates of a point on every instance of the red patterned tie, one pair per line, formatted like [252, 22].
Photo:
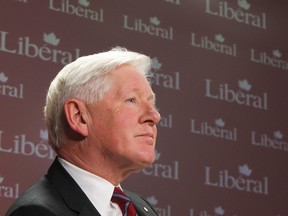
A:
[124, 202]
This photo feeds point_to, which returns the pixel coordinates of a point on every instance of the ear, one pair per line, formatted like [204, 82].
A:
[76, 116]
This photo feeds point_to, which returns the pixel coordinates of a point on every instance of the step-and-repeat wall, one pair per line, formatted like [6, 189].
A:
[221, 86]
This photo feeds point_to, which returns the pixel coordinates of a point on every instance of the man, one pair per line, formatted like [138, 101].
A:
[101, 120]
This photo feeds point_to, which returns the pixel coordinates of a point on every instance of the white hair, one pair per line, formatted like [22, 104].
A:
[86, 79]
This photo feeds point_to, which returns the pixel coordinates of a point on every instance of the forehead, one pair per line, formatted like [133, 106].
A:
[127, 76]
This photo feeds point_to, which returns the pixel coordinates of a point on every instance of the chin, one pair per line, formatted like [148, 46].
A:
[145, 158]
[148, 162]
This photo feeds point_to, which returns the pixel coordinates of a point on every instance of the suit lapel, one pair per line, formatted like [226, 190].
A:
[142, 207]
[71, 193]
[76, 199]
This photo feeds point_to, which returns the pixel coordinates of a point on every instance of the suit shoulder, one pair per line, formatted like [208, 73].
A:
[39, 193]
[41, 197]
[31, 210]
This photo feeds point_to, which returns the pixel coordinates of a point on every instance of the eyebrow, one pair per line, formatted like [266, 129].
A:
[151, 97]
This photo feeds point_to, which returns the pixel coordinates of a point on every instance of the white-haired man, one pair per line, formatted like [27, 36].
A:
[101, 120]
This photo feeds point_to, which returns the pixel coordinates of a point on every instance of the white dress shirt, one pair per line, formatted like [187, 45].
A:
[98, 190]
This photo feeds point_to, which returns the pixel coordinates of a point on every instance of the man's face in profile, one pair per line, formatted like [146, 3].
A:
[123, 123]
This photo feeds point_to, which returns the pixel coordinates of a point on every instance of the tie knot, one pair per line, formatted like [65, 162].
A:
[123, 202]
[118, 194]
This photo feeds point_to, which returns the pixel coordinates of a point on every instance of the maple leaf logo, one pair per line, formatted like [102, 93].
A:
[84, 3]
[154, 21]
[278, 135]
[51, 38]
[156, 64]
[244, 84]
[219, 122]
[219, 38]
[152, 200]
[3, 77]
[157, 154]
[219, 210]
[244, 4]
[43, 134]
[277, 53]
[245, 170]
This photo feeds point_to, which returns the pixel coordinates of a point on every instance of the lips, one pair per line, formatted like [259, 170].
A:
[151, 135]
[148, 136]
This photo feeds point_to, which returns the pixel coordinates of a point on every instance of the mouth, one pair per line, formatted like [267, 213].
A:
[147, 136]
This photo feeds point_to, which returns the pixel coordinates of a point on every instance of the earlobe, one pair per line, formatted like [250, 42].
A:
[75, 110]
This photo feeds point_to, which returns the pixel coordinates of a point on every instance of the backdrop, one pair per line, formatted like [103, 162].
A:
[221, 89]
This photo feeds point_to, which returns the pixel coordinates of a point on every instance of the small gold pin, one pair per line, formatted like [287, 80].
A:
[145, 209]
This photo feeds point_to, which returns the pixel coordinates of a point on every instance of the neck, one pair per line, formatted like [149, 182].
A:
[95, 164]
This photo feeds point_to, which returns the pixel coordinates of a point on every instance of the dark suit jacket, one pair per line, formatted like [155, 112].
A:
[57, 194]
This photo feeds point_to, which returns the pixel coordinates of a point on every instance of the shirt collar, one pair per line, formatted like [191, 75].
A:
[98, 190]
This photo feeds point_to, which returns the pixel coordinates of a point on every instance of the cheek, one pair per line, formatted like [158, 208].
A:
[127, 118]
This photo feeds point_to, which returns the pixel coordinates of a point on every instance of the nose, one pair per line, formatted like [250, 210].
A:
[150, 116]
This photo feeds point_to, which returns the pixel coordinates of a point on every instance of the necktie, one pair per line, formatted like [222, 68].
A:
[124, 202]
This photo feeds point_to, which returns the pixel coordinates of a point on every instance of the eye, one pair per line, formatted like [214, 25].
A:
[132, 100]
